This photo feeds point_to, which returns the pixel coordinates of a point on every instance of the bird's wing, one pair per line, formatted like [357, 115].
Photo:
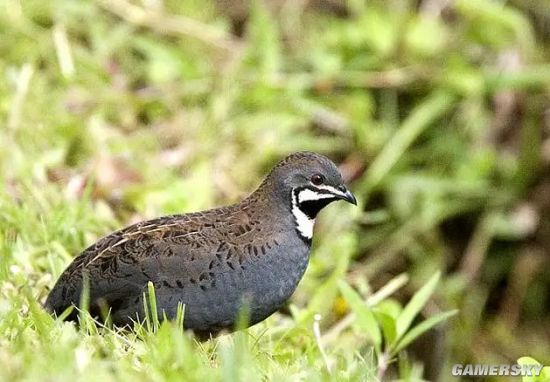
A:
[183, 251]
[119, 265]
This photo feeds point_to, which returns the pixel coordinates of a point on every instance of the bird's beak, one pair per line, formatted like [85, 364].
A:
[347, 195]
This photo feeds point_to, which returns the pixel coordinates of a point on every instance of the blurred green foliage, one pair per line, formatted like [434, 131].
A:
[115, 111]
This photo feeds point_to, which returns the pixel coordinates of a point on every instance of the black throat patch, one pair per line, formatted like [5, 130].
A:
[313, 206]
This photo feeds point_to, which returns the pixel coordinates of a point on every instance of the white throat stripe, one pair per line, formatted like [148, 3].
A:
[304, 224]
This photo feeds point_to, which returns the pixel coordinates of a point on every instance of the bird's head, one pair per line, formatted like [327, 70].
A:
[309, 182]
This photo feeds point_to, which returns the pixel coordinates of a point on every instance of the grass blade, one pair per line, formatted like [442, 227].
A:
[414, 306]
[364, 317]
[421, 328]
[421, 117]
[153, 305]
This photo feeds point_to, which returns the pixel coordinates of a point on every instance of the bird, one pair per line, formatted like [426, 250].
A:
[250, 254]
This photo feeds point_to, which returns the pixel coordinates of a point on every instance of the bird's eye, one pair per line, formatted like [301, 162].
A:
[317, 179]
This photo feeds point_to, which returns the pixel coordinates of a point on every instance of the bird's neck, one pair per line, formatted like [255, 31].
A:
[271, 204]
[285, 210]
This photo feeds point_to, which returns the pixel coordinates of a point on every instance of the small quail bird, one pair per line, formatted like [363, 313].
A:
[252, 252]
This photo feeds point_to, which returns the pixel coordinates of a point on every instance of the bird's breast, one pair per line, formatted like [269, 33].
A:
[273, 279]
[261, 284]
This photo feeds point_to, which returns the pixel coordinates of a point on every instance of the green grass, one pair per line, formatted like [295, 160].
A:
[112, 112]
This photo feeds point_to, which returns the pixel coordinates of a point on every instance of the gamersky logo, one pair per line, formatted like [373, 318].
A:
[496, 370]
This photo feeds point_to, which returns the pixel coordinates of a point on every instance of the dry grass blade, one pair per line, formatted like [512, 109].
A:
[170, 25]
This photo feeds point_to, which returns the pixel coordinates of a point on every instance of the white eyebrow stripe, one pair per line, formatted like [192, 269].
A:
[306, 194]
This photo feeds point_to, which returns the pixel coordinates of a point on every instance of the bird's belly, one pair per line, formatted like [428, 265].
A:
[258, 289]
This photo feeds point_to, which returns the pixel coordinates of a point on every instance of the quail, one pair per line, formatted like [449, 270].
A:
[253, 252]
